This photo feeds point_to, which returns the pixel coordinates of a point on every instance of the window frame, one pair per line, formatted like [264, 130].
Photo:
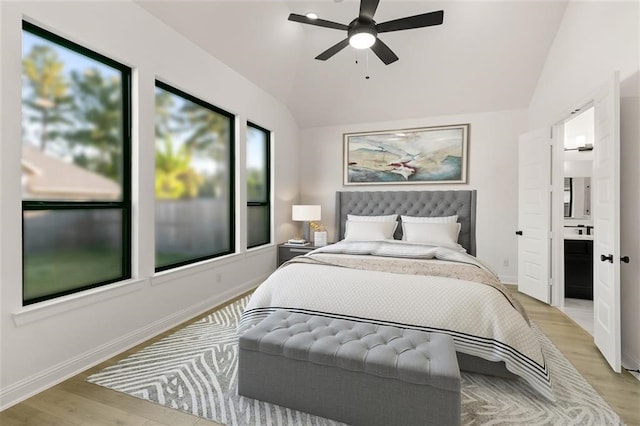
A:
[124, 204]
[231, 208]
[266, 203]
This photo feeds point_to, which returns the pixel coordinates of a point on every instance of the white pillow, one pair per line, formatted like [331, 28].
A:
[435, 219]
[424, 219]
[385, 218]
[435, 234]
[369, 231]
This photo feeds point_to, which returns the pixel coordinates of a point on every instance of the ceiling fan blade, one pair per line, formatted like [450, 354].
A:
[410, 22]
[333, 50]
[317, 22]
[368, 8]
[383, 52]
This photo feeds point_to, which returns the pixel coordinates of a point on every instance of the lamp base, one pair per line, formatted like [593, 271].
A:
[306, 230]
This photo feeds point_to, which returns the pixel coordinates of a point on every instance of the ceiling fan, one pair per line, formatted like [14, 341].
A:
[363, 31]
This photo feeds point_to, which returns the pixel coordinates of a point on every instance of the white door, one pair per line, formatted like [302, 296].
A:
[606, 211]
[534, 214]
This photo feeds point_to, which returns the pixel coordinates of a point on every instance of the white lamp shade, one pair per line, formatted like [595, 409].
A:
[305, 212]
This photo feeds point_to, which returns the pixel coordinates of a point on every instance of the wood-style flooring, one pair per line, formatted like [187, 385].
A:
[76, 402]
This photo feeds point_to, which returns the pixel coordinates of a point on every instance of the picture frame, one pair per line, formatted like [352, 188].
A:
[425, 155]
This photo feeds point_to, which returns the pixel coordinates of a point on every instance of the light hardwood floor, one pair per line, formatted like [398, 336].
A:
[76, 402]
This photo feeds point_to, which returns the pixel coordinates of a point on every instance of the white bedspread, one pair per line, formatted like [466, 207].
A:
[480, 319]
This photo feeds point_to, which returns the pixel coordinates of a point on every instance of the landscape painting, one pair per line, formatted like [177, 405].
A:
[417, 156]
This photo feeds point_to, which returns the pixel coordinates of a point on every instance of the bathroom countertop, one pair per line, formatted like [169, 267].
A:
[568, 236]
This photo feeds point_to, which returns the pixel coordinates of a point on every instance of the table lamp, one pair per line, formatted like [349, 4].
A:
[305, 214]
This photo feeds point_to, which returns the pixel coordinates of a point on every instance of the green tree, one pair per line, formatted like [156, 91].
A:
[209, 131]
[208, 137]
[175, 179]
[255, 185]
[164, 114]
[47, 90]
[95, 137]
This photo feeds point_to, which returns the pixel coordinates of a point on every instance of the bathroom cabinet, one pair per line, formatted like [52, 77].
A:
[578, 269]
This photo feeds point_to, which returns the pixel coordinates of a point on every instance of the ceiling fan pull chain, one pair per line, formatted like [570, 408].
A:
[366, 76]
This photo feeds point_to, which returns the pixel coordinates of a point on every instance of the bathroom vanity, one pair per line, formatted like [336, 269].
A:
[578, 266]
[578, 235]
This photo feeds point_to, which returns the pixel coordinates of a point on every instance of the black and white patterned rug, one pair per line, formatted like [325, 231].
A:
[195, 370]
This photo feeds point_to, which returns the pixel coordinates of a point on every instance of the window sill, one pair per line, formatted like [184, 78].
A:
[255, 251]
[46, 309]
[193, 268]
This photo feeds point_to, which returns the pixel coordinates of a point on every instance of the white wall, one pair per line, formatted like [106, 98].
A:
[492, 170]
[594, 40]
[44, 343]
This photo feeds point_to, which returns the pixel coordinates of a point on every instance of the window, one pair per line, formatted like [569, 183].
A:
[258, 186]
[76, 162]
[194, 180]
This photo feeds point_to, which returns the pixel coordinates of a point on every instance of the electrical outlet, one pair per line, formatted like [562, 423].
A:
[505, 262]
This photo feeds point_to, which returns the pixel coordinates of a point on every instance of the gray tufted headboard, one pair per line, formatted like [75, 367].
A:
[411, 203]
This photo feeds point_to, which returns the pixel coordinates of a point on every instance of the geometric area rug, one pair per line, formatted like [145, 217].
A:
[195, 370]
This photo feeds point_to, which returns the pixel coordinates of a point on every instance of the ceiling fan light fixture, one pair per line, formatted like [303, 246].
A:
[362, 40]
[362, 32]
[311, 15]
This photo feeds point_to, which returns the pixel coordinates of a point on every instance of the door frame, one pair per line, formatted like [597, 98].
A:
[557, 214]
[614, 355]
[557, 201]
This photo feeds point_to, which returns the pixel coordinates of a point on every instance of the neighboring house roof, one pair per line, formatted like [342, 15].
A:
[44, 176]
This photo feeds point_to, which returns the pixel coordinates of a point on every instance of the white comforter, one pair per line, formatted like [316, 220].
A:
[480, 318]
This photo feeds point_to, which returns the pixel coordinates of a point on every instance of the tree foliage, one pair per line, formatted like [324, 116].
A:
[175, 178]
[256, 190]
[96, 139]
[80, 110]
[45, 97]
[203, 134]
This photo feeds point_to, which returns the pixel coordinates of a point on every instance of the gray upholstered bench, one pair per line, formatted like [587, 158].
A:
[357, 373]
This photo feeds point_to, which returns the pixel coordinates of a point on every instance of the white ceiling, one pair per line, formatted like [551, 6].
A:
[486, 56]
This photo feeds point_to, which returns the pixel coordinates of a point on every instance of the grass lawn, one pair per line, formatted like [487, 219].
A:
[59, 271]
[165, 259]
[56, 272]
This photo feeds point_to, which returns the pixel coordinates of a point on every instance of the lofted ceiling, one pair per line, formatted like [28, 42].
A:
[486, 56]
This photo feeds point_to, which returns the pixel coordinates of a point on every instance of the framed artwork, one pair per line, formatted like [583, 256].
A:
[413, 156]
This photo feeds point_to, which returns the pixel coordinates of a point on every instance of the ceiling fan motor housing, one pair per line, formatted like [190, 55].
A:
[362, 25]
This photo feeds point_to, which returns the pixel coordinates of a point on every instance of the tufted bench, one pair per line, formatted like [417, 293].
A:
[357, 373]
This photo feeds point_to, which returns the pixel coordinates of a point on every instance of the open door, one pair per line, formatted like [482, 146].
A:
[534, 218]
[606, 211]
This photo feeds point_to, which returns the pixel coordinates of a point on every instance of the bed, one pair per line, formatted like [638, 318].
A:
[413, 276]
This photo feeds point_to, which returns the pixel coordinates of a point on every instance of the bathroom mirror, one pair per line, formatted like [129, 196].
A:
[577, 197]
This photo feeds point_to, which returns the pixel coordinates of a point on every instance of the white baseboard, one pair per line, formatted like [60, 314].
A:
[508, 279]
[37, 383]
[631, 362]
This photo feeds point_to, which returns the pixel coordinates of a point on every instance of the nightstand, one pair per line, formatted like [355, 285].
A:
[289, 251]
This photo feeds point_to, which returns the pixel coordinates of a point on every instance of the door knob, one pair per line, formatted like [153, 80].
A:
[606, 258]
[518, 232]
[624, 259]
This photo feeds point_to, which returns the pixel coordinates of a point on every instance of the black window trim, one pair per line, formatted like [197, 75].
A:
[232, 118]
[124, 205]
[266, 203]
